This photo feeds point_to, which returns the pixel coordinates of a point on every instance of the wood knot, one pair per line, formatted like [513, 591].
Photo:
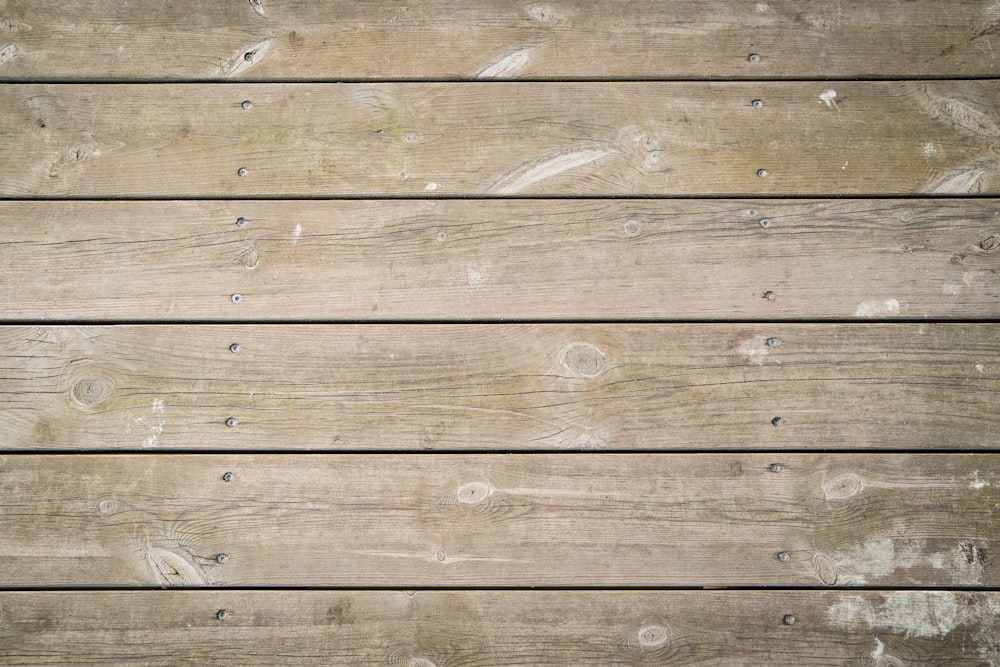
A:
[843, 486]
[990, 243]
[825, 569]
[632, 227]
[250, 258]
[542, 14]
[420, 662]
[653, 637]
[583, 360]
[474, 492]
[91, 391]
[107, 507]
[7, 52]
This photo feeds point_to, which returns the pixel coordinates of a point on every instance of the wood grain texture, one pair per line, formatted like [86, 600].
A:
[500, 259]
[500, 520]
[499, 387]
[296, 39]
[474, 629]
[425, 139]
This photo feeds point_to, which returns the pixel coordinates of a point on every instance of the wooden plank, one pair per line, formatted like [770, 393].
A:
[499, 387]
[500, 520]
[513, 139]
[437, 628]
[295, 39]
[500, 259]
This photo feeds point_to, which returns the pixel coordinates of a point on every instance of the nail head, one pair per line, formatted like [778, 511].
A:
[242, 171]
[757, 104]
[231, 422]
[221, 558]
[783, 556]
[222, 615]
[227, 477]
[760, 172]
[769, 295]
[788, 619]
[240, 222]
[773, 342]
[237, 298]
[248, 56]
[246, 104]
[235, 347]
[776, 467]
[765, 222]
[753, 57]
[776, 422]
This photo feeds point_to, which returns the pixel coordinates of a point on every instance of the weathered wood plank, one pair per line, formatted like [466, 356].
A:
[484, 520]
[809, 138]
[471, 629]
[297, 39]
[499, 387]
[500, 259]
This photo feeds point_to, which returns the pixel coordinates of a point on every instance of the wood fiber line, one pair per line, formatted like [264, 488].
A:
[489, 139]
[502, 259]
[454, 39]
[474, 629]
[602, 520]
[499, 387]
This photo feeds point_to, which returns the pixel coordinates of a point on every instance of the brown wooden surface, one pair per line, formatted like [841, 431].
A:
[453, 39]
[499, 387]
[491, 259]
[472, 629]
[602, 520]
[451, 139]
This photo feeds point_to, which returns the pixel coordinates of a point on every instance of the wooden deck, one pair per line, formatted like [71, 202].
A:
[452, 334]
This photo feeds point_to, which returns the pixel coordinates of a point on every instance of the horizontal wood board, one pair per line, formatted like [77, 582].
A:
[500, 259]
[473, 629]
[500, 139]
[496, 39]
[601, 520]
[500, 387]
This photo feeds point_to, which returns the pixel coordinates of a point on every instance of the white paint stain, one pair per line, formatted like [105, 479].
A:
[7, 52]
[508, 66]
[431, 187]
[247, 58]
[930, 149]
[980, 368]
[549, 168]
[157, 405]
[756, 351]
[950, 290]
[969, 178]
[297, 234]
[978, 483]
[475, 277]
[874, 308]
[914, 613]
[829, 97]
[763, 7]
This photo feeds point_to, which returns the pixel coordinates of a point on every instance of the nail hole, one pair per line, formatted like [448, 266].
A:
[769, 295]
[234, 348]
[242, 171]
[228, 477]
[753, 57]
[765, 222]
[776, 467]
[788, 619]
[237, 298]
[783, 556]
[776, 422]
[231, 422]
[757, 104]
[773, 342]
[760, 172]
[222, 615]
[246, 104]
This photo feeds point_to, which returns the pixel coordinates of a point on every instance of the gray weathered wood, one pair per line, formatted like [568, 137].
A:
[503, 259]
[499, 387]
[454, 39]
[472, 629]
[513, 139]
[513, 520]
